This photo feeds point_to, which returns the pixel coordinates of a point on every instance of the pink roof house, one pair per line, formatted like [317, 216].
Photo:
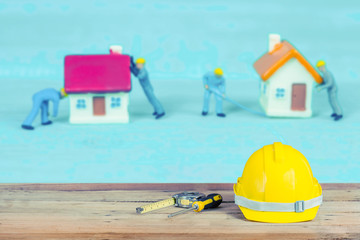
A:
[98, 87]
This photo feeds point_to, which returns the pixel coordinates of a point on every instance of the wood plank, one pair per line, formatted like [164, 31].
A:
[98, 211]
[144, 195]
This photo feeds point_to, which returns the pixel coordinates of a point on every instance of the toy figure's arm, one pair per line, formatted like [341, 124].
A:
[134, 70]
[222, 86]
[141, 74]
[205, 82]
[132, 63]
[328, 81]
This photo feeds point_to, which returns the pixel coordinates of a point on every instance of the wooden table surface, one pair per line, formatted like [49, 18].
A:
[107, 211]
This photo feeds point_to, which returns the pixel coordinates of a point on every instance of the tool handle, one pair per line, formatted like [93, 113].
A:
[210, 201]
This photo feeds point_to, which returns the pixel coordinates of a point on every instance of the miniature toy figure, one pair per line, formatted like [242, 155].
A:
[41, 100]
[140, 72]
[214, 82]
[330, 85]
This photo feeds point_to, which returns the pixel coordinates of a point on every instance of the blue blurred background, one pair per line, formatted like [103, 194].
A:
[180, 40]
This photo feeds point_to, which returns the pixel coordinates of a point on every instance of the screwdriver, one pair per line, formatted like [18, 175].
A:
[210, 201]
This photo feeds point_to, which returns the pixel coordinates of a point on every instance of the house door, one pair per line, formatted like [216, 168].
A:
[98, 106]
[298, 98]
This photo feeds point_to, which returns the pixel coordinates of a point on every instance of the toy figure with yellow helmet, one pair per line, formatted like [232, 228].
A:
[138, 69]
[214, 82]
[329, 84]
[41, 101]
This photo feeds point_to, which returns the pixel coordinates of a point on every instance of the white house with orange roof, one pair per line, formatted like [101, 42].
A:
[286, 80]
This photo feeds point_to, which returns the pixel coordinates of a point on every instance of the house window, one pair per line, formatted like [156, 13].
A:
[115, 102]
[280, 92]
[81, 104]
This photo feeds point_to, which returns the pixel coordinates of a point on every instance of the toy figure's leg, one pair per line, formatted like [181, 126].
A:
[207, 95]
[154, 101]
[219, 104]
[334, 103]
[45, 113]
[32, 115]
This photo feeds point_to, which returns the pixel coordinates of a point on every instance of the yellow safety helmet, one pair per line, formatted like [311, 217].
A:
[277, 186]
[140, 60]
[218, 71]
[62, 90]
[320, 63]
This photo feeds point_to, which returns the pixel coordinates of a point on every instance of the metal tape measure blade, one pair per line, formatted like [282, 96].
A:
[154, 206]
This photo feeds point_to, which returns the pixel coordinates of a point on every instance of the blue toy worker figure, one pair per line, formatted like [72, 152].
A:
[214, 82]
[140, 72]
[41, 101]
[330, 85]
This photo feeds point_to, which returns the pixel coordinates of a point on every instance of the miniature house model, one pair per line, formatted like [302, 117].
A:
[286, 80]
[98, 87]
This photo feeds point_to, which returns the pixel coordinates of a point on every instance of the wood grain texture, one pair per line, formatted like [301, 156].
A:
[107, 211]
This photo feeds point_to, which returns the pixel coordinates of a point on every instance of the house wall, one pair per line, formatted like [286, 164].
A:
[116, 108]
[264, 93]
[281, 83]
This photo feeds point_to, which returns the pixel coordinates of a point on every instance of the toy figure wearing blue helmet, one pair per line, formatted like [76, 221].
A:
[140, 72]
[214, 82]
[41, 101]
[329, 84]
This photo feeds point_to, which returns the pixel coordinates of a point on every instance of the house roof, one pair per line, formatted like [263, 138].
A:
[270, 62]
[97, 73]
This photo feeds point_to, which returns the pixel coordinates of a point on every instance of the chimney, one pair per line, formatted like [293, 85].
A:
[273, 40]
[116, 49]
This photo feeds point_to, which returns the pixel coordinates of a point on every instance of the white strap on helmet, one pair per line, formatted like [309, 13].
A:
[298, 206]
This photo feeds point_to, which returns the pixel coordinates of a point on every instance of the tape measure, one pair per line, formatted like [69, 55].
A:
[184, 200]
[154, 206]
[210, 201]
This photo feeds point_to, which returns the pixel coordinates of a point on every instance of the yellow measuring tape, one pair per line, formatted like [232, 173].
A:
[183, 199]
[156, 205]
